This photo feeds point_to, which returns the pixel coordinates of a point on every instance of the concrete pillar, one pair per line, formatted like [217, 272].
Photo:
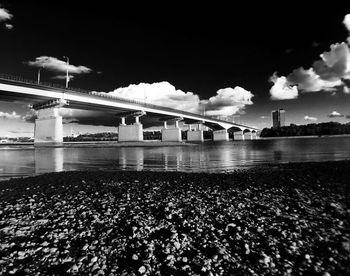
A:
[171, 134]
[48, 129]
[220, 135]
[195, 135]
[238, 135]
[165, 124]
[248, 135]
[254, 136]
[130, 133]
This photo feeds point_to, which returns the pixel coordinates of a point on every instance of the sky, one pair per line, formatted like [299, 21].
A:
[237, 62]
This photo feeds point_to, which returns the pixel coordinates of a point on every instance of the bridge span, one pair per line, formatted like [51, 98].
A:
[48, 99]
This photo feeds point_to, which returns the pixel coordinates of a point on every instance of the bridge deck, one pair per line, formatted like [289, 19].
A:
[138, 105]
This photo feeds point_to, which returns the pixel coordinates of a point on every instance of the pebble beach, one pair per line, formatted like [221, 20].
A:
[285, 219]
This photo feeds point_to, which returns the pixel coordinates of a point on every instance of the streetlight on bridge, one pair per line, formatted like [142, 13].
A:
[39, 71]
[67, 76]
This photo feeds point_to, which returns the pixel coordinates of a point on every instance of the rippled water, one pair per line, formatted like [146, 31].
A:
[207, 156]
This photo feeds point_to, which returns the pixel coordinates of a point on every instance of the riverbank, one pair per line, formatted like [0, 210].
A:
[272, 220]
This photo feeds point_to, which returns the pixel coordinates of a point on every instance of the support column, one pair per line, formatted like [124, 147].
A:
[195, 135]
[238, 135]
[220, 135]
[131, 133]
[254, 136]
[172, 134]
[48, 128]
[248, 136]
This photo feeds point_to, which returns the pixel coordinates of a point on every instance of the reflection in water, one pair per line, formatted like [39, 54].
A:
[207, 157]
[131, 158]
[48, 160]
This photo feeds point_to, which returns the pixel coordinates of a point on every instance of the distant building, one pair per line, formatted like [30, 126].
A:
[278, 118]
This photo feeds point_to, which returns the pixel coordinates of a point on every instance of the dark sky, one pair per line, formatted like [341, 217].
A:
[196, 47]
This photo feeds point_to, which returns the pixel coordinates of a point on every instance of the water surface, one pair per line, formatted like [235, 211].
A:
[203, 157]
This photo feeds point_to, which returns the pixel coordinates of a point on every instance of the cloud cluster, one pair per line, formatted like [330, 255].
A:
[346, 23]
[160, 93]
[310, 81]
[9, 116]
[329, 73]
[5, 16]
[59, 67]
[226, 102]
[282, 89]
[309, 118]
[335, 114]
[30, 116]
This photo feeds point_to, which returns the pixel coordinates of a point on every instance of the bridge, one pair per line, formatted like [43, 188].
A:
[48, 99]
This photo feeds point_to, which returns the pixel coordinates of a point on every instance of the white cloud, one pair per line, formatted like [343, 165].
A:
[5, 15]
[58, 66]
[335, 64]
[346, 21]
[335, 114]
[309, 81]
[9, 116]
[228, 101]
[30, 116]
[9, 26]
[309, 118]
[159, 93]
[282, 89]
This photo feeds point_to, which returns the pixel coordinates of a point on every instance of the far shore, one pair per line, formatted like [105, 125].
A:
[306, 136]
[157, 143]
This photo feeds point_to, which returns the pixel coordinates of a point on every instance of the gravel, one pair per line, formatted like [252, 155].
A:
[289, 219]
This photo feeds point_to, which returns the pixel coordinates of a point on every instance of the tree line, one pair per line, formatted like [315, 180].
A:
[328, 128]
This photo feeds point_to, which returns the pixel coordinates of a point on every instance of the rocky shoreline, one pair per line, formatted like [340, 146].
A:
[288, 219]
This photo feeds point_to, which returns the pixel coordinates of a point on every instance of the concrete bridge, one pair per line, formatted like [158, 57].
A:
[48, 99]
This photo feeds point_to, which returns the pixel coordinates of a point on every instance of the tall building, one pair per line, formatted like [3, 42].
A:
[278, 118]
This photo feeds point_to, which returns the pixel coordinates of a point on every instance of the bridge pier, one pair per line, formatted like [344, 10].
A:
[172, 134]
[195, 135]
[48, 128]
[248, 136]
[220, 135]
[238, 135]
[131, 133]
[254, 136]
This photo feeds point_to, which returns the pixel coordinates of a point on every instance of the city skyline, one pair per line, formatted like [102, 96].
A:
[184, 58]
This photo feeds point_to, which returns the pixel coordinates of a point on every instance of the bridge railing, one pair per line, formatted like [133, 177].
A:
[41, 84]
[141, 104]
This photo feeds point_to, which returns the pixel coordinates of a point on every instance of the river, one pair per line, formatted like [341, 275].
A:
[16, 161]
